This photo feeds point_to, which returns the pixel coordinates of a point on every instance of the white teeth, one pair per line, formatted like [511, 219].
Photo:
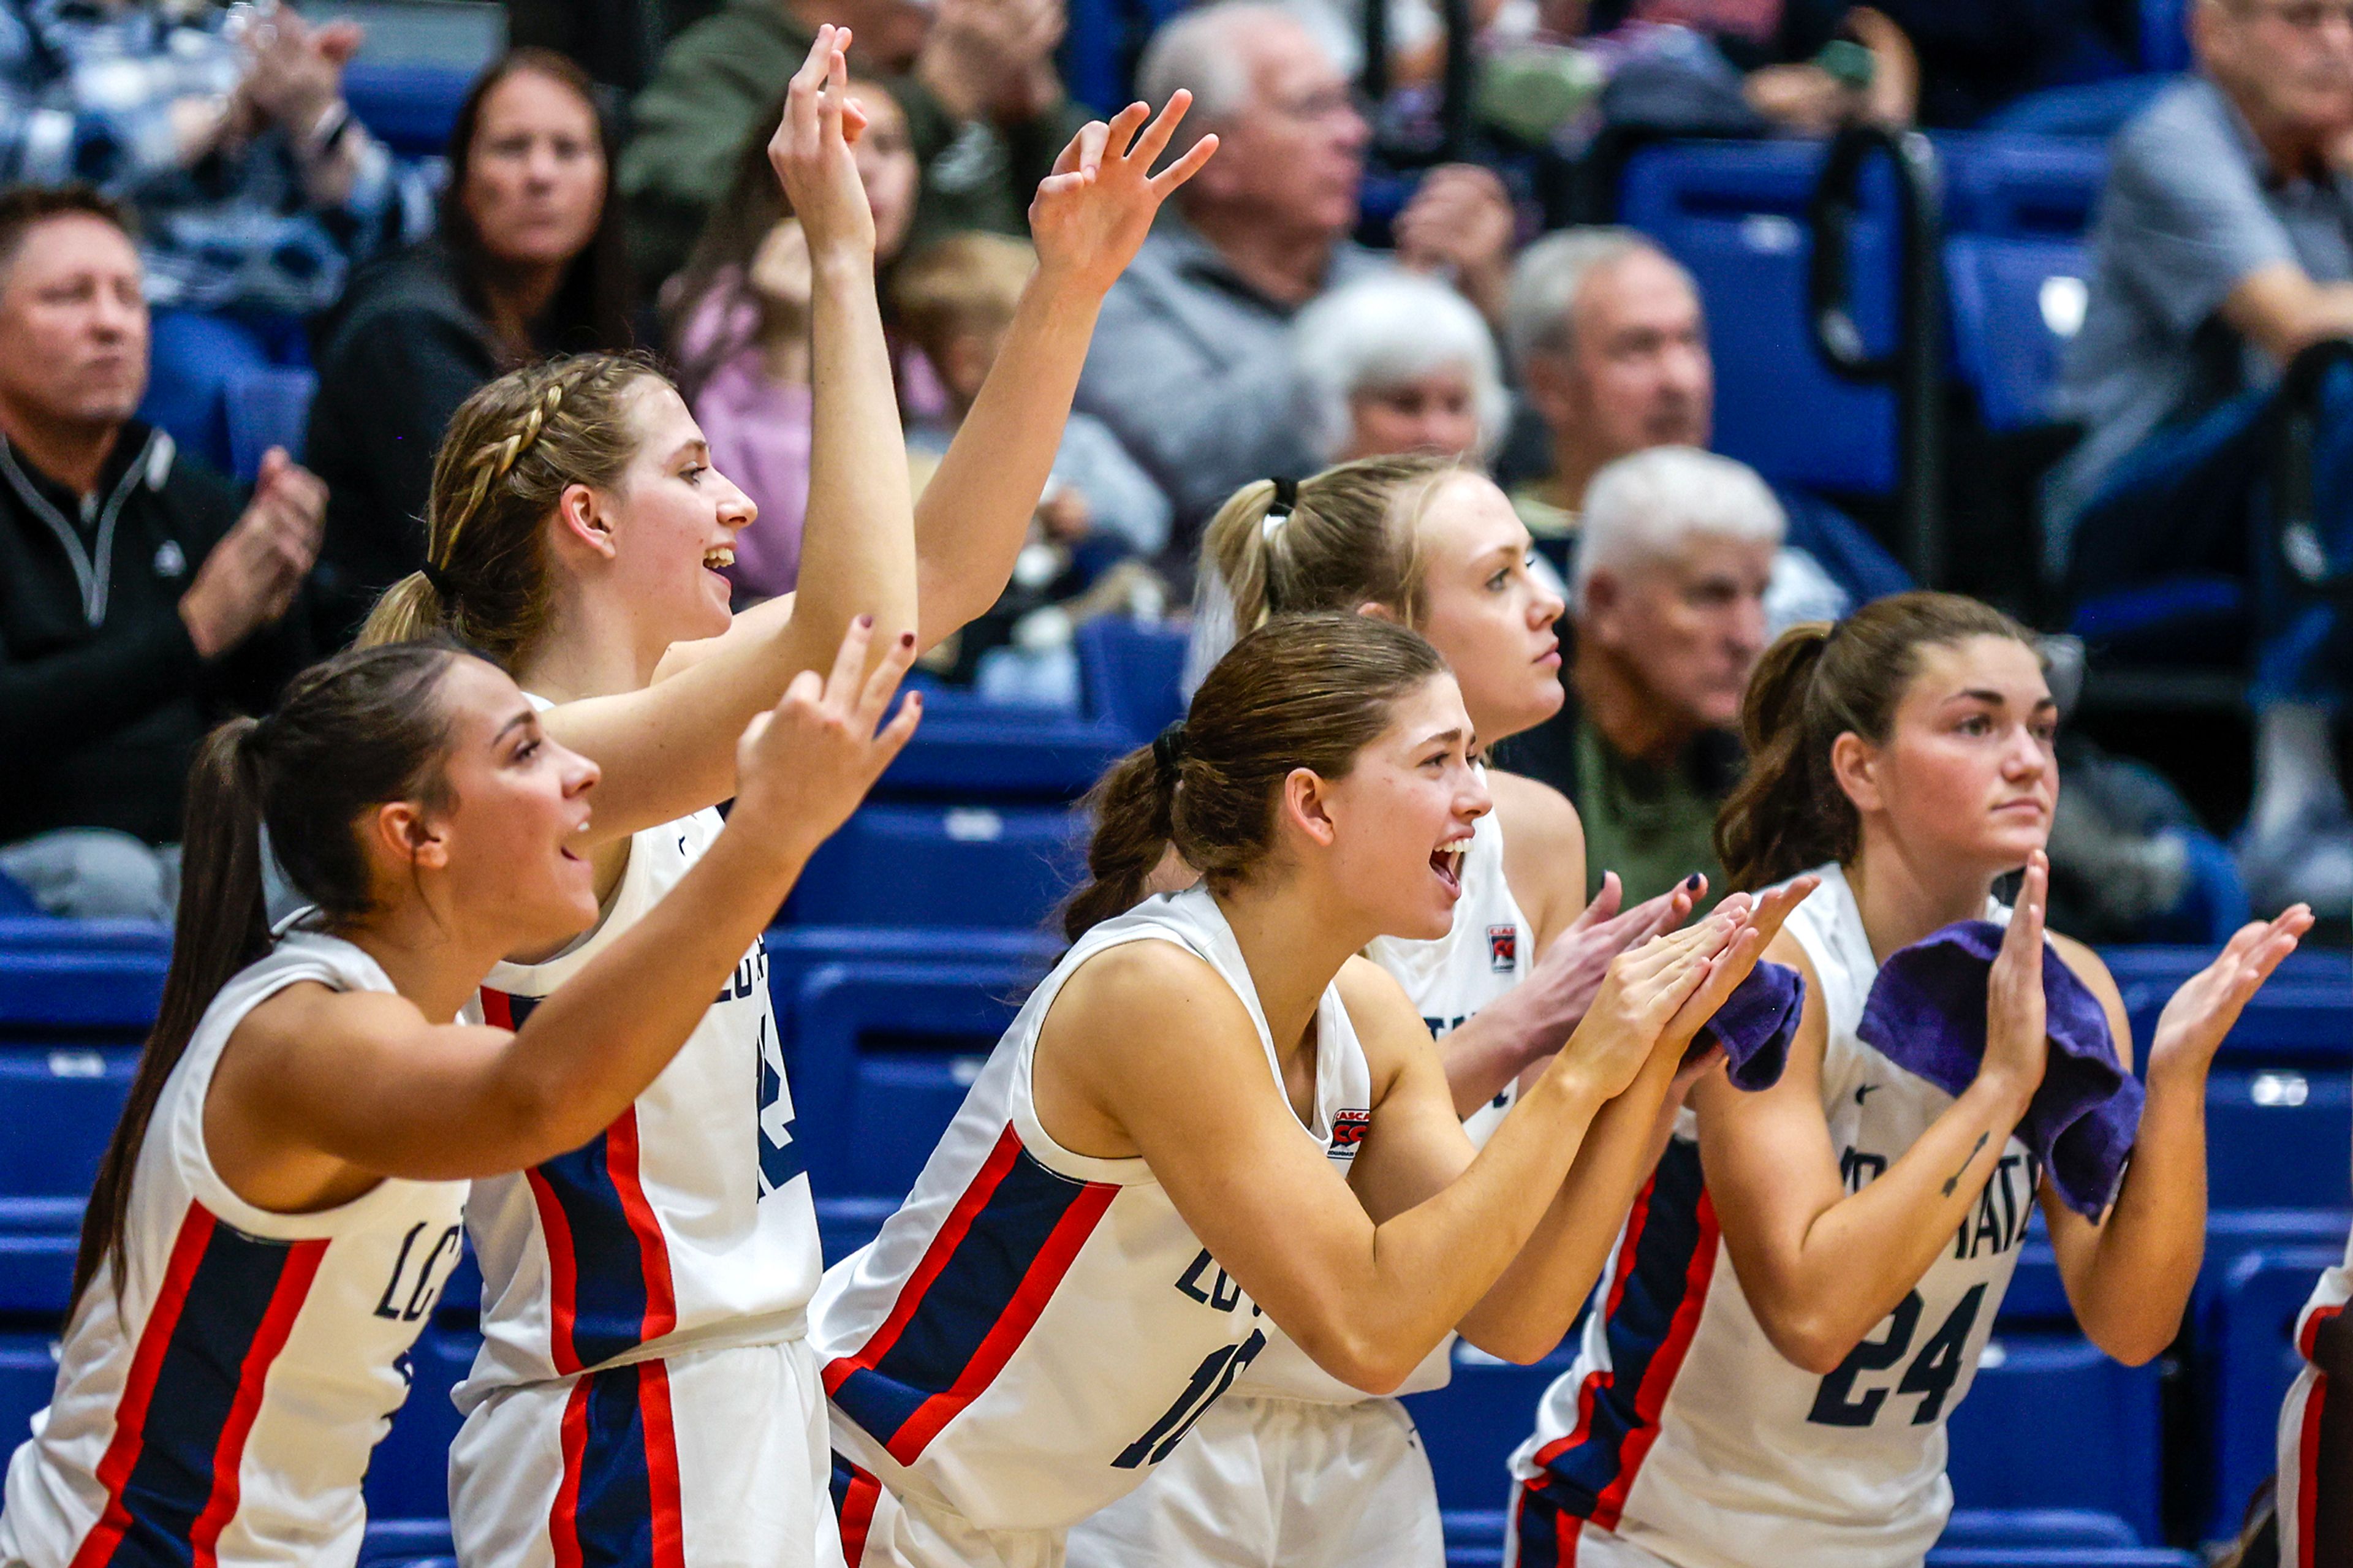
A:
[720, 558]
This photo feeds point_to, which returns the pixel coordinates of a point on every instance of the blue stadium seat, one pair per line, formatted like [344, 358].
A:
[1733, 213]
[2276, 1138]
[408, 1543]
[845, 1225]
[1132, 673]
[1471, 1426]
[2165, 34]
[1474, 1539]
[1101, 47]
[795, 950]
[2039, 1529]
[882, 1054]
[974, 864]
[2020, 188]
[47, 933]
[2303, 1015]
[411, 108]
[2059, 1557]
[2246, 1358]
[967, 751]
[267, 409]
[2053, 1423]
[57, 1109]
[2015, 303]
[105, 994]
[28, 1373]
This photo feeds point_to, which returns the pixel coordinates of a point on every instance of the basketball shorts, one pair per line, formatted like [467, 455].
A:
[1278, 1483]
[715, 1458]
[881, 1529]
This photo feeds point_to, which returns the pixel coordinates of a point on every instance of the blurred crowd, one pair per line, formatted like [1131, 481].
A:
[192, 199]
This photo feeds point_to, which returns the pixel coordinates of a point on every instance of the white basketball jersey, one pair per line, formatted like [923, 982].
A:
[2300, 1414]
[1683, 1431]
[1450, 980]
[222, 1408]
[1034, 1329]
[687, 1222]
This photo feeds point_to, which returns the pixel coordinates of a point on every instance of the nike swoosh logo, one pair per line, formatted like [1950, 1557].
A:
[1865, 1089]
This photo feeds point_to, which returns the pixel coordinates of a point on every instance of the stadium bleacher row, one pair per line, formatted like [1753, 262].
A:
[888, 1004]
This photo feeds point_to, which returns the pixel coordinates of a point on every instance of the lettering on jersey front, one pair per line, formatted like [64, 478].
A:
[410, 1293]
[1931, 1374]
[1208, 1382]
[780, 1155]
[1220, 1293]
[1441, 1027]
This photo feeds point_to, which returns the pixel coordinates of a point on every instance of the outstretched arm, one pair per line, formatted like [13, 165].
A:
[322, 1093]
[669, 750]
[2128, 1276]
[1088, 219]
[1148, 1046]
[1532, 1304]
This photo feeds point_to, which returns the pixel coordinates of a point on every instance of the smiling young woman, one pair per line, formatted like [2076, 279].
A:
[1785, 1338]
[280, 1206]
[1213, 1121]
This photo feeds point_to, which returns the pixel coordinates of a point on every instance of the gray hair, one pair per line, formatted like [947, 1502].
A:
[1644, 508]
[1383, 331]
[1198, 48]
[1539, 314]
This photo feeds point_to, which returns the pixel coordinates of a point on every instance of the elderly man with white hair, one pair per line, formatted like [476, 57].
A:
[1668, 604]
[1191, 363]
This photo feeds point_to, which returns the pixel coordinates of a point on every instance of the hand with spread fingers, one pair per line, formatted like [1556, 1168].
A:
[2192, 1026]
[810, 152]
[1091, 214]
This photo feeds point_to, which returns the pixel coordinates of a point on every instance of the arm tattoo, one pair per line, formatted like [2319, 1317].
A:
[1955, 1179]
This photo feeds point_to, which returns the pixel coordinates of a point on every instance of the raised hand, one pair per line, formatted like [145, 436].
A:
[2017, 1028]
[803, 766]
[250, 579]
[810, 151]
[1091, 212]
[1760, 923]
[2192, 1026]
[1561, 984]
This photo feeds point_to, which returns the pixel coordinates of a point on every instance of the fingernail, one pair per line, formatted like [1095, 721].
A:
[866, 623]
[906, 640]
[1691, 882]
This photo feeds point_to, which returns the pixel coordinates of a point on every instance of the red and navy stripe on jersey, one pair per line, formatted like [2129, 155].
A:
[1666, 1260]
[855, 1495]
[618, 1504]
[228, 1303]
[609, 1266]
[987, 1275]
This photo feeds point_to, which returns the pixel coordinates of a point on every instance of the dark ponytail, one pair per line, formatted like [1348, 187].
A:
[1302, 691]
[360, 729]
[1817, 682]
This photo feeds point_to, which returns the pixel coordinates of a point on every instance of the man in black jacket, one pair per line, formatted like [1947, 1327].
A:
[137, 606]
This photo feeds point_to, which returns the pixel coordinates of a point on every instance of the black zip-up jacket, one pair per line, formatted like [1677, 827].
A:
[102, 697]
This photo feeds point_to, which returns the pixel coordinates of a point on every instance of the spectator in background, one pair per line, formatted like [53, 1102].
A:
[2223, 247]
[136, 604]
[1098, 514]
[530, 261]
[1394, 364]
[1191, 364]
[737, 321]
[1667, 603]
[226, 131]
[1610, 342]
[986, 110]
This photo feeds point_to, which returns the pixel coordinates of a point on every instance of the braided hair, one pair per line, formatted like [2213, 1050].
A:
[511, 451]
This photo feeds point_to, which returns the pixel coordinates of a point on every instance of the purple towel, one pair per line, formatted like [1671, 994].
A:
[1926, 1014]
[1756, 1025]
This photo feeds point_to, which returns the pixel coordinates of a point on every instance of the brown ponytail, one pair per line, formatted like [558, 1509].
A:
[364, 728]
[511, 451]
[1817, 682]
[1303, 692]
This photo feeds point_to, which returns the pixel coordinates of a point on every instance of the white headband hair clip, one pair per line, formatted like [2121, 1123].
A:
[1279, 510]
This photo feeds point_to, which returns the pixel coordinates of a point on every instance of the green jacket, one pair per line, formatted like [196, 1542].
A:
[718, 81]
